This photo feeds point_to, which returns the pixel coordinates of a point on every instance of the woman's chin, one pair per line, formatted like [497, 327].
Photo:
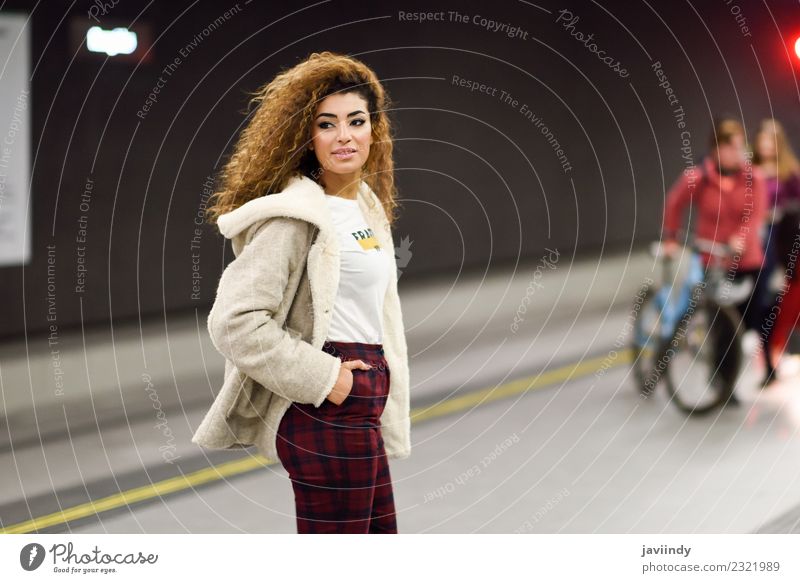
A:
[346, 167]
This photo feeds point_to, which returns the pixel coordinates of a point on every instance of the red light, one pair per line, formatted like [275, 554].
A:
[797, 47]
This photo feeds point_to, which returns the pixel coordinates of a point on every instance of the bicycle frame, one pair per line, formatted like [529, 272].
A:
[672, 304]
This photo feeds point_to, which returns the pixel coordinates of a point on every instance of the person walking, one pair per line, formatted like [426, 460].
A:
[773, 155]
[308, 314]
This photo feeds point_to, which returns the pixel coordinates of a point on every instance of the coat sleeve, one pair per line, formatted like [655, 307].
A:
[678, 198]
[241, 323]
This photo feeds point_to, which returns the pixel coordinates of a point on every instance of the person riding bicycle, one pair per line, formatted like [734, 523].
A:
[727, 195]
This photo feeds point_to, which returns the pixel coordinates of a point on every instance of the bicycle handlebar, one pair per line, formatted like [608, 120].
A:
[702, 245]
[712, 247]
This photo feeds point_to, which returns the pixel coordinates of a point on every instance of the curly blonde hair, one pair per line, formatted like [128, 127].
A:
[271, 149]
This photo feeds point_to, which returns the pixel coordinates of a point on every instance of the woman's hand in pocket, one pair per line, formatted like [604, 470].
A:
[344, 384]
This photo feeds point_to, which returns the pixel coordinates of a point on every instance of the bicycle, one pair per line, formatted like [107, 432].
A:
[688, 335]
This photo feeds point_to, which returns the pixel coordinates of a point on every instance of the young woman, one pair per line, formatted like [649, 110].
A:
[773, 155]
[308, 315]
[728, 198]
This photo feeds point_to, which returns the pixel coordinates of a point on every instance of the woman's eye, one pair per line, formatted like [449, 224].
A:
[324, 125]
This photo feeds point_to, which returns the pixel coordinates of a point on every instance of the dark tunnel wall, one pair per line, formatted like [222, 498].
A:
[558, 149]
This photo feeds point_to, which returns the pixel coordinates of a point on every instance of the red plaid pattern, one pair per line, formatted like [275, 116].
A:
[334, 454]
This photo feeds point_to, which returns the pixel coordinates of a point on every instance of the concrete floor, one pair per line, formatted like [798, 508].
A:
[574, 455]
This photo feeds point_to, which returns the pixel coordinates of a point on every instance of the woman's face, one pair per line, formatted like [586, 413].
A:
[765, 145]
[342, 133]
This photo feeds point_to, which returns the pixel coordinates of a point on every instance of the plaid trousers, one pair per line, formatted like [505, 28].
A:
[335, 456]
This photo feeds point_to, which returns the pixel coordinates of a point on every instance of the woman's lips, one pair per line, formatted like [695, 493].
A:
[344, 155]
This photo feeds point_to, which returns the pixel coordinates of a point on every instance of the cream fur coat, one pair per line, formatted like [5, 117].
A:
[272, 313]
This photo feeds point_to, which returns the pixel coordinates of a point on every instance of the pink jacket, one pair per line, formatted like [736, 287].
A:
[720, 209]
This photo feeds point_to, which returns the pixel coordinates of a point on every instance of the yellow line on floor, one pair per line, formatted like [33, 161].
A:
[229, 469]
[546, 378]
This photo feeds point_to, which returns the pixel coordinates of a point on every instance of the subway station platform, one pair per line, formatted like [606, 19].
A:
[524, 421]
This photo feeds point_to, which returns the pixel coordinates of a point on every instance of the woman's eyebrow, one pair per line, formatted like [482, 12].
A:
[334, 116]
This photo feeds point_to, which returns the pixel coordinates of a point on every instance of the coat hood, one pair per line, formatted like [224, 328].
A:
[301, 199]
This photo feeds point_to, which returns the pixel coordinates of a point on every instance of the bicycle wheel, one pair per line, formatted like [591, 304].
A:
[645, 341]
[704, 357]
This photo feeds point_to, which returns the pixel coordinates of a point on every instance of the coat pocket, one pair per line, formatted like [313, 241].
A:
[252, 401]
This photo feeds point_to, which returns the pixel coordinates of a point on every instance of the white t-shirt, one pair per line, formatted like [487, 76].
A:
[364, 276]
